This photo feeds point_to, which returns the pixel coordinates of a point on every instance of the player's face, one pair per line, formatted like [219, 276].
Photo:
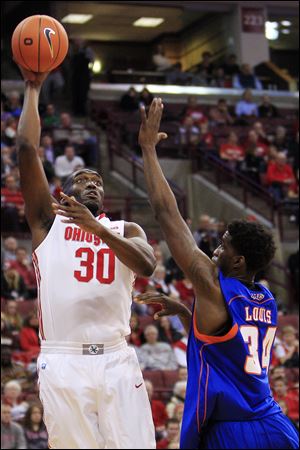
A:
[224, 255]
[88, 190]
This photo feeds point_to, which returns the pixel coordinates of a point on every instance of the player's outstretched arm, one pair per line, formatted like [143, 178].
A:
[210, 309]
[34, 185]
[180, 240]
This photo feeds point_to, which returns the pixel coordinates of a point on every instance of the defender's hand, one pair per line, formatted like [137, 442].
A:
[169, 306]
[77, 213]
[149, 135]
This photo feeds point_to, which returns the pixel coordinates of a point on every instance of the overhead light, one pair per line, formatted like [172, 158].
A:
[95, 66]
[77, 18]
[148, 22]
[286, 23]
[285, 31]
[271, 31]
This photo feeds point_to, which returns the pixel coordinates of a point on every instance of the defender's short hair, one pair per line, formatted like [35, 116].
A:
[254, 242]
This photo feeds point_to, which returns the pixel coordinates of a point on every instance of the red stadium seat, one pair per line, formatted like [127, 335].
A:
[156, 377]
[170, 377]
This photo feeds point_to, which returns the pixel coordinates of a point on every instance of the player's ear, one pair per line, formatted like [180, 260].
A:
[238, 261]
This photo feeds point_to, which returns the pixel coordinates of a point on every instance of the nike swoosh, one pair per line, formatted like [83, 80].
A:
[139, 385]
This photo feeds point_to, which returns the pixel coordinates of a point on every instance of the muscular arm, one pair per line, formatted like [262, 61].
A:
[132, 250]
[34, 184]
[211, 313]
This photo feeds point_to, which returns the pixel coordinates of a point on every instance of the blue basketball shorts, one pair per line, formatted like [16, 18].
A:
[272, 432]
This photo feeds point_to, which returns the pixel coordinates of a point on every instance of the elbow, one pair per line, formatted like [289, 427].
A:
[148, 268]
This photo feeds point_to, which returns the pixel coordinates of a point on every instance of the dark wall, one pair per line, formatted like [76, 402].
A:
[286, 59]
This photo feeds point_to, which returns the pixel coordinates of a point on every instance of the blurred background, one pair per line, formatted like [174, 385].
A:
[228, 74]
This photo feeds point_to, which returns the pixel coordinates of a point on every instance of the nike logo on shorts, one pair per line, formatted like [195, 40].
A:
[139, 385]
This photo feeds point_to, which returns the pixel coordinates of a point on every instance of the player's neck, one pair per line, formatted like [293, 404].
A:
[247, 279]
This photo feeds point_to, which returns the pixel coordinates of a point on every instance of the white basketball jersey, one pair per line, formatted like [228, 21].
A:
[84, 290]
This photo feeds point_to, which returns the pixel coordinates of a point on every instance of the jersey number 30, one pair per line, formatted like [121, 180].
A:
[105, 265]
[250, 335]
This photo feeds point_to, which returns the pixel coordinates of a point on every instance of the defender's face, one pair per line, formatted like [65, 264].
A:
[88, 189]
[224, 254]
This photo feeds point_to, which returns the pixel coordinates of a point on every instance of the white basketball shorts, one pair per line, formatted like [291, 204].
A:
[94, 397]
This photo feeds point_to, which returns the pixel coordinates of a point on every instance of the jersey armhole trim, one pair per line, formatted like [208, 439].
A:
[214, 339]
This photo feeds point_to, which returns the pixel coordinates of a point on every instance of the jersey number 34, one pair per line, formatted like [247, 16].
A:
[251, 337]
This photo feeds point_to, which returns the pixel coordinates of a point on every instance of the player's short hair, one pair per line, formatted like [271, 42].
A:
[254, 242]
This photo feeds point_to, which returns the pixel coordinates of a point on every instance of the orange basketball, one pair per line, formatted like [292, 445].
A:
[39, 43]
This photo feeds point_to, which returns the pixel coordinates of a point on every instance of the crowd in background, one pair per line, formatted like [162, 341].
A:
[268, 156]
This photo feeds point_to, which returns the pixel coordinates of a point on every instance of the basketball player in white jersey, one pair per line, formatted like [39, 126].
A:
[90, 382]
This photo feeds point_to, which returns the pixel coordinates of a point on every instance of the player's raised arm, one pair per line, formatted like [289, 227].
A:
[178, 236]
[194, 263]
[34, 185]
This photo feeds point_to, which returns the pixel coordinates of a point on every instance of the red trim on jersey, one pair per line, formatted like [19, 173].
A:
[199, 388]
[38, 277]
[214, 339]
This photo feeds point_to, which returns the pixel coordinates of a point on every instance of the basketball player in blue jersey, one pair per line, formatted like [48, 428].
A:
[228, 402]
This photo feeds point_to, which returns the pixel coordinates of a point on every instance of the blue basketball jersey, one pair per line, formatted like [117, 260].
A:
[228, 375]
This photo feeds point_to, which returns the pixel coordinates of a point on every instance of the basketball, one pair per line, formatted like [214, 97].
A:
[39, 43]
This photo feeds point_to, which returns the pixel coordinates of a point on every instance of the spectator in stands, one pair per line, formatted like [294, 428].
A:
[261, 133]
[220, 114]
[185, 288]
[290, 345]
[246, 79]
[68, 163]
[246, 107]
[194, 110]
[10, 131]
[267, 109]
[129, 101]
[232, 152]
[180, 348]
[159, 413]
[182, 374]
[230, 66]
[189, 132]
[166, 332]
[50, 118]
[160, 61]
[178, 397]
[293, 154]
[34, 428]
[29, 339]
[12, 434]
[10, 247]
[156, 355]
[280, 139]
[206, 137]
[172, 438]
[47, 143]
[256, 155]
[52, 86]
[14, 105]
[12, 317]
[81, 58]
[178, 76]
[158, 280]
[219, 79]
[24, 267]
[48, 167]
[11, 201]
[289, 396]
[206, 68]
[280, 177]
[7, 161]
[136, 337]
[13, 397]
[13, 285]
[145, 98]
[205, 238]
